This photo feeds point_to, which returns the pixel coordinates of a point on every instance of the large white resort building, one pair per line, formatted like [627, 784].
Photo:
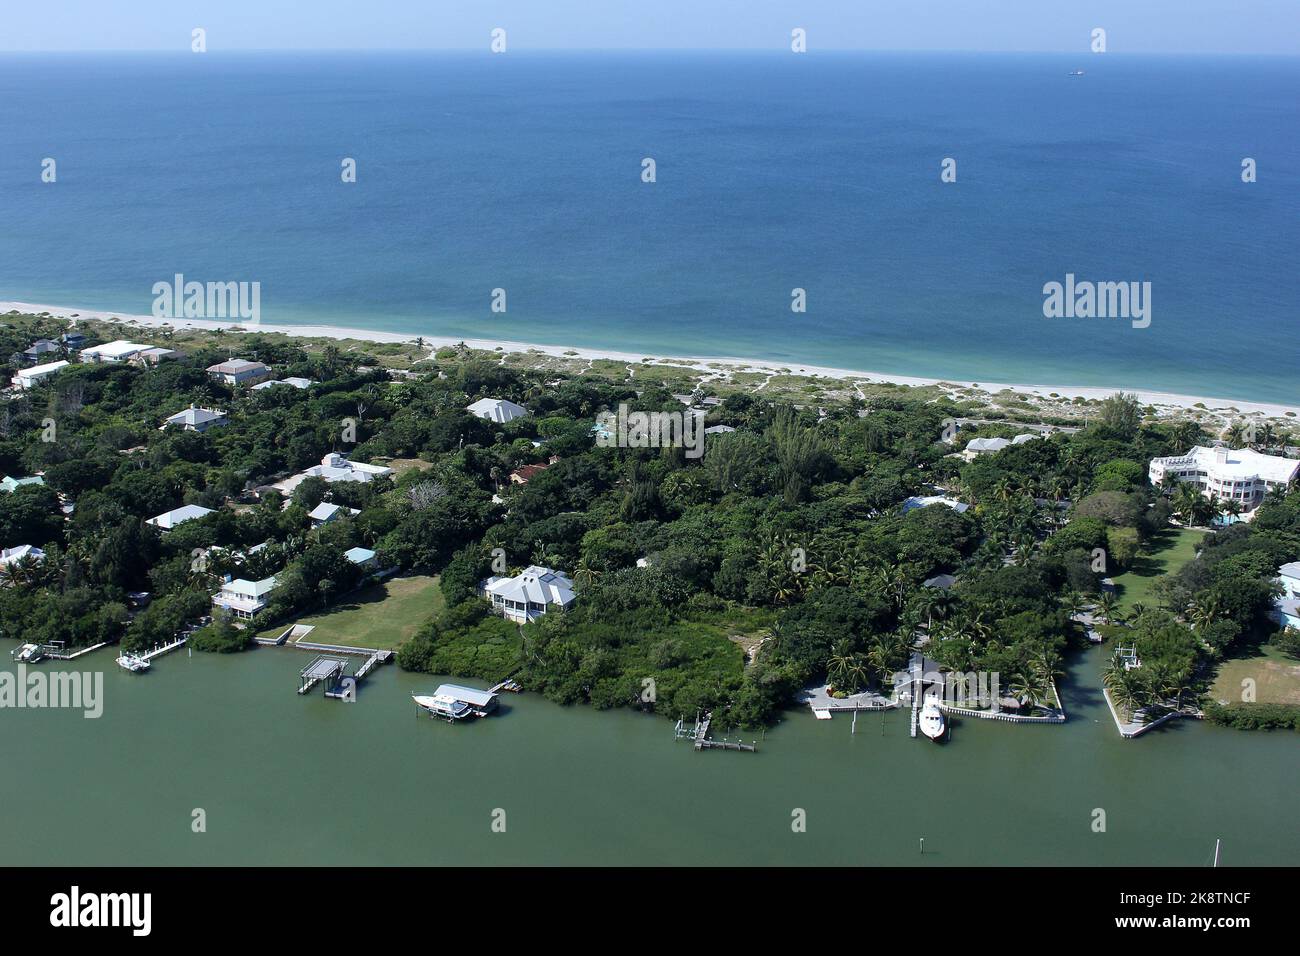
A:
[1230, 474]
[528, 595]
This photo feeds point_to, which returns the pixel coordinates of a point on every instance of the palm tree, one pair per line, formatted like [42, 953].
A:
[1073, 604]
[585, 574]
[1205, 612]
[1107, 604]
[839, 664]
[1029, 684]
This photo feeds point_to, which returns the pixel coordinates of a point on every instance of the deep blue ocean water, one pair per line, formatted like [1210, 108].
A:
[522, 171]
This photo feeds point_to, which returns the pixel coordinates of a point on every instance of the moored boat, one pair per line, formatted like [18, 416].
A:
[133, 663]
[443, 705]
[932, 722]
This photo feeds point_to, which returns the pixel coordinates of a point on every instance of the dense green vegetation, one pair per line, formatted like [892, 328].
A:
[788, 533]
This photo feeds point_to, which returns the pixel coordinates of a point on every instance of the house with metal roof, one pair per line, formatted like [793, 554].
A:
[325, 512]
[170, 519]
[119, 350]
[29, 377]
[237, 372]
[194, 419]
[496, 410]
[10, 484]
[528, 595]
[243, 598]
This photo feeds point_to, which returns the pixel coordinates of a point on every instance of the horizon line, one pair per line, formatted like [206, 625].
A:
[778, 50]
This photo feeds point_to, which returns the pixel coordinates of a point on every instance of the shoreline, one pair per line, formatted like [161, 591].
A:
[707, 365]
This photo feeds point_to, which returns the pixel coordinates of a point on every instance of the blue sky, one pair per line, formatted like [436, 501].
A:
[1163, 26]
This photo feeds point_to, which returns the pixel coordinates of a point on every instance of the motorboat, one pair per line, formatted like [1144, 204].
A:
[932, 722]
[443, 705]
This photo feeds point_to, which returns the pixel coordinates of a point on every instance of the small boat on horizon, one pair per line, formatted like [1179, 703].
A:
[1075, 73]
[932, 722]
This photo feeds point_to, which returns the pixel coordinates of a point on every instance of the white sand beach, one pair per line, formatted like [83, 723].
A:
[1162, 401]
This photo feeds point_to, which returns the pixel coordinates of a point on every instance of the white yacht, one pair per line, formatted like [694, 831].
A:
[133, 663]
[443, 705]
[932, 722]
[29, 654]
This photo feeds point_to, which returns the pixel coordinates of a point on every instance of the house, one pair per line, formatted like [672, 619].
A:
[39, 349]
[27, 378]
[119, 350]
[243, 598]
[363, 558]
[911, 504]
[294, 381]
[324, 513]
[525, 473]
[718, 430]
[10, 485]
[196, 419]
[1289, 577]
[334, 467]
[940, 582]
[239, 372]
[982, 446]
[72, 341]
[496, 410]
[1231, 474]
[23, 552]
[170, 519]
[152, 356]
[528, 595]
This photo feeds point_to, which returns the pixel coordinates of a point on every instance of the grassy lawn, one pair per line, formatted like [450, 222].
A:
[1164, 554]
[1276, 676]
[381, 616]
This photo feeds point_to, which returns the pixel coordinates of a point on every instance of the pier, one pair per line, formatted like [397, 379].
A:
[56, 650]
[331, 673]
[160, 649]
[699, 735]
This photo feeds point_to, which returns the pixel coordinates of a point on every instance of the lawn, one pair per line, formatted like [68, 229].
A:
[1163, 554]
[381, 616]
[1276, 676]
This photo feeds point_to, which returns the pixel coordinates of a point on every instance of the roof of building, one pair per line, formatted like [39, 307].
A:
[326, 510]
[196, 416]
[941, 581]
[496, 409]
[1290, 570]
[1239, 463]
[526, 472]
[170, 519]
[925, 501]
[295, 381]
[9, 484]
[235, 366]
[10, 555]
[469, 695]
[37, 370]
[247, 588]
[535, 584]
[987, 444]
[115, 349]
[358, 555]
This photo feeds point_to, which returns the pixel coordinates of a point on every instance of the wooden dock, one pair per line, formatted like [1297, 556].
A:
[161, 649]
[699, 736]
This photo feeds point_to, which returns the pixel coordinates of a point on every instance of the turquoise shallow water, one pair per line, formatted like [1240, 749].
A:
[774, 172]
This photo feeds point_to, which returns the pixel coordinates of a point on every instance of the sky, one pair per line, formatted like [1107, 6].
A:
[1133, 26]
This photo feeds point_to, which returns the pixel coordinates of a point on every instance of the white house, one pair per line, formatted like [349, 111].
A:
[529, 595]
[170, 519]
[324, 513]
[496, 410]
[982, 446]
[153, 356]
[237, 372]
[196, 419]
[9, 556]
[119, 350]
[1235, 474]
[1286, 609]
[335, 467]
[244, 598]
[27, 377]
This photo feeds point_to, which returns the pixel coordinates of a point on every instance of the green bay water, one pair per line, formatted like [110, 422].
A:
[286, 779]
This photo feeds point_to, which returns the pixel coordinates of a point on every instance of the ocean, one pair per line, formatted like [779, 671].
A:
[523, 172]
